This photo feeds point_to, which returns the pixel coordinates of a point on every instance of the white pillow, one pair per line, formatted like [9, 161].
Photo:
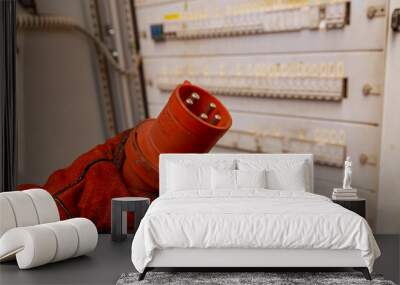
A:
[292, 179]
[227, 179]
[223, 179]
[188, 177]
[281, 174]
[251, 178]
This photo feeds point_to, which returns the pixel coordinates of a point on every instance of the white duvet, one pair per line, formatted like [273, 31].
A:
[250, 219]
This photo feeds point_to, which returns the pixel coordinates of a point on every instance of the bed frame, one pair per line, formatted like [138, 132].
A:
[246, 259]
[242, 259]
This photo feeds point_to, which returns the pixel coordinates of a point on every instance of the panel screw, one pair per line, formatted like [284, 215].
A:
[367, 89]
[363, 159]
[371, 12]
[110, 30]
[114, 54]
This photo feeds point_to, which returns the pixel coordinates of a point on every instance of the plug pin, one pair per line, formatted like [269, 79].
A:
[211, 107]
[204, 116]
[189, 101]
[195, 96]
[216, 119]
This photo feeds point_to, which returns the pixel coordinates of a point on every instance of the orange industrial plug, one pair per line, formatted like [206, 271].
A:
[192, 121]
[187, 124]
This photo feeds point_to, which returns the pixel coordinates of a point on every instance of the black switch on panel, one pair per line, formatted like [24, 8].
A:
[396, 20]
[157, 32]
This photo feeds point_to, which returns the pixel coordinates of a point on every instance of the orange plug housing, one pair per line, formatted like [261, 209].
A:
[178, 129]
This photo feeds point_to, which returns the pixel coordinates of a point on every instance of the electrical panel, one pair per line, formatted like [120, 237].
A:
[298, 76]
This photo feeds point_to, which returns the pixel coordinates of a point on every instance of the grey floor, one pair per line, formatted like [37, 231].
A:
[110, 260]
[102, 266]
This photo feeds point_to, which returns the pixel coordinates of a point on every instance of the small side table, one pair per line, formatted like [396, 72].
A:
[119, 209]
[358, 206]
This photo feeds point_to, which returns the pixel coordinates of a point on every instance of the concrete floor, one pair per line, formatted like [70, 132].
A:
[110, 260]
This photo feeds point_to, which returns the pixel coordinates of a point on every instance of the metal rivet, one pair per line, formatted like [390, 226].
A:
[363, 158]
[110, 30]
[114, 53]
[371, 12]
[367, 89]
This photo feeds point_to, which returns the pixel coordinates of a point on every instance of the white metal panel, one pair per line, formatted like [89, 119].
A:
[331, 129]
[389, 181]
[361, 34]
[360, 69]
[350, 136]
[139, 3]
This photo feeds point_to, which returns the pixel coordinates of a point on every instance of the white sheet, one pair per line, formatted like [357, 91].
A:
[252, 218]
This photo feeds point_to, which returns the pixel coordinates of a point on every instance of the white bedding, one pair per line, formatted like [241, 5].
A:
[250, 218]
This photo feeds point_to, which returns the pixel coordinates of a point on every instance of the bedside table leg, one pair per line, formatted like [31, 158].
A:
[118, 221]
[142, 275]
[364, 271]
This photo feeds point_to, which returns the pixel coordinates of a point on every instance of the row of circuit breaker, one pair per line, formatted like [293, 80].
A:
[295, 80]
[222, 27]
[328, 86]
[253, 18]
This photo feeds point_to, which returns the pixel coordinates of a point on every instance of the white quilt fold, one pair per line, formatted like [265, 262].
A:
[250, 219]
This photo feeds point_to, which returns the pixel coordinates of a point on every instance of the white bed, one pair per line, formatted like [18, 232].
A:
[250, 226]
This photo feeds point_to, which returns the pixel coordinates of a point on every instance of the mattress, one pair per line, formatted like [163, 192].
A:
[251, 219]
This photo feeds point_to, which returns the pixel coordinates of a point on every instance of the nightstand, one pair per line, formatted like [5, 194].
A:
[358, 206]
[119, 209]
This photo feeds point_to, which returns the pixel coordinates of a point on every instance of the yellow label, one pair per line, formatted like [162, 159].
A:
[172, 16]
